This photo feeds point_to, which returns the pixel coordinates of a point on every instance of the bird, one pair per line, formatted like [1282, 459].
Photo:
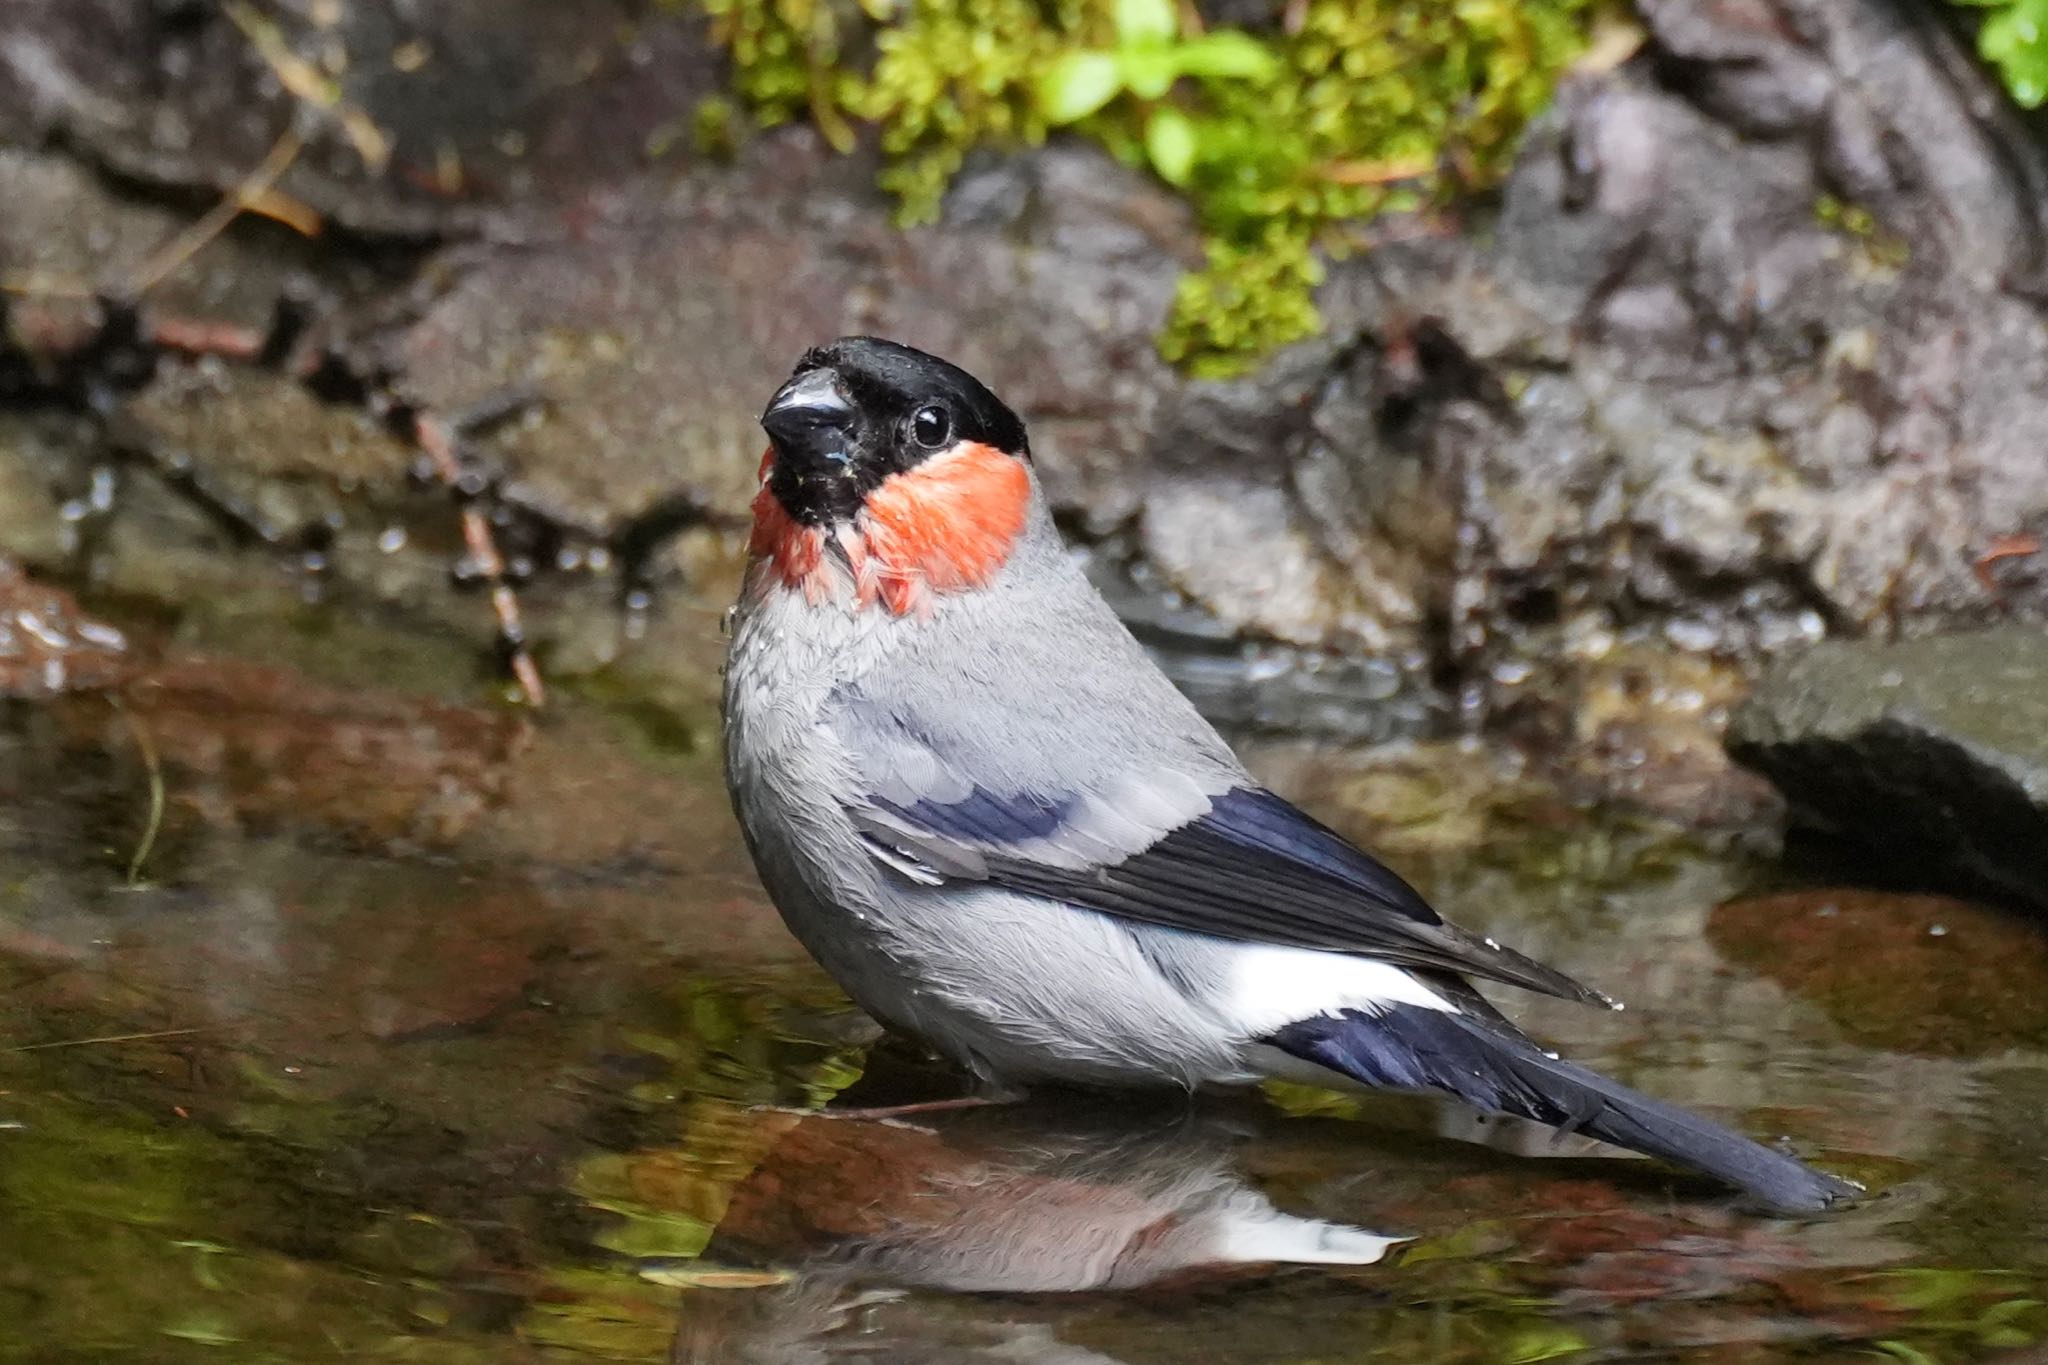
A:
[987, 813]
[1070, 1196]
[1028, 1200]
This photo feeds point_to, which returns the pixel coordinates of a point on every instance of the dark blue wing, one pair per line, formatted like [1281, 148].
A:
[1450, 1050]
[1249, 867]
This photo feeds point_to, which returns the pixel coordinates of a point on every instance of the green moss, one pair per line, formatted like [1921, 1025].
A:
[134, 1239]
[1282, 142]
[1249, 298]
[949, 77]
[2014, 38]
[1881, 249]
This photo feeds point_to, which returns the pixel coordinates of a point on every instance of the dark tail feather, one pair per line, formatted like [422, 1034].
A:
[1409, 1048]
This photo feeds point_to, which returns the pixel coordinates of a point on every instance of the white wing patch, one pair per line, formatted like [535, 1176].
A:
[1271, 987]
[1251, 1230]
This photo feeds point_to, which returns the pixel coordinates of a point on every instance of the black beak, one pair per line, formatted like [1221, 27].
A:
[811, 419]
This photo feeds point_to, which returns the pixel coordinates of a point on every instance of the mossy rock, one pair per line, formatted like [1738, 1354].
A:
[1280, 139]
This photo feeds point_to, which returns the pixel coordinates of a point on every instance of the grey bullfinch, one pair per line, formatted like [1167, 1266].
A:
[991, 817]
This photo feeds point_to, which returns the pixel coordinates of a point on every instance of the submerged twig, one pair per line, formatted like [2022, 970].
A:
[155, 768]
[254, 189]
[438, 442]
[2005, 547]
[113, 1038]
[201, 338]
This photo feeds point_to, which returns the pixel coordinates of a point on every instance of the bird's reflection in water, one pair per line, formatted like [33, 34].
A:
[1041, 1198]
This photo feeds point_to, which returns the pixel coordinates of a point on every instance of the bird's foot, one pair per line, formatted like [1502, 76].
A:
[891, 1114]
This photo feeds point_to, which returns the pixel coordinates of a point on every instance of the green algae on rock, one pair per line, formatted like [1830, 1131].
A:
[1920, 974]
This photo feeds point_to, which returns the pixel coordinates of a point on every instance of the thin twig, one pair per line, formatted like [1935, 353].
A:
[113, 1038]
[199, 337]
[292, 212]
[40, 284]
[435, 438]
[2018, 546]
[154, 766]
[210, 225]
[1384, 171]
[310, 85]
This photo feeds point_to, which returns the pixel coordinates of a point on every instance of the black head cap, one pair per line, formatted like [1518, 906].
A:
[860, 409]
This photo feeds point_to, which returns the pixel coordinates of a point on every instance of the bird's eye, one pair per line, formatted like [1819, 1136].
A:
[930, 427]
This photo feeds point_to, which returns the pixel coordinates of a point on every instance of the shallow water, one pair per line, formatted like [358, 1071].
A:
[424, 1033]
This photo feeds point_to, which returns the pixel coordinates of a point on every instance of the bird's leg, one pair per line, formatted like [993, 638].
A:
[895, 1111]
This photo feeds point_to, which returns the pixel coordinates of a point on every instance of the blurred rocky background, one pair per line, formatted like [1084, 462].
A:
[1566, 429]
[1550, 374]
[1589, 451]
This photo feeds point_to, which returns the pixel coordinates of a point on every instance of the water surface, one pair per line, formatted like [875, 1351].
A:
[427, 1033]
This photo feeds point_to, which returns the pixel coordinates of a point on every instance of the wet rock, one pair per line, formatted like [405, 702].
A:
[1642, 741]
[45, 486]
[1929, 754]
[48, 645]
[253, 746]
[1744, 359]
[650, 340]
[623, 356]
[415, 118]
[1635, 724]
[254, 460]
[67, 232]
[1720, 379]
[266, 449]
[1918, 974]
[1717, 381]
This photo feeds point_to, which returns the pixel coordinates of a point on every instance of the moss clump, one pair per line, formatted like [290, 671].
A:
[1881, 249]
[949, 77]
[1280, 140]
[1249, 298]
[2014, 38]
[1380, 106]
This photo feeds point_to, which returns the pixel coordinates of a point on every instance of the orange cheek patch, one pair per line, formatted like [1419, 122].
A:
[794, 550]
[946, 525]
